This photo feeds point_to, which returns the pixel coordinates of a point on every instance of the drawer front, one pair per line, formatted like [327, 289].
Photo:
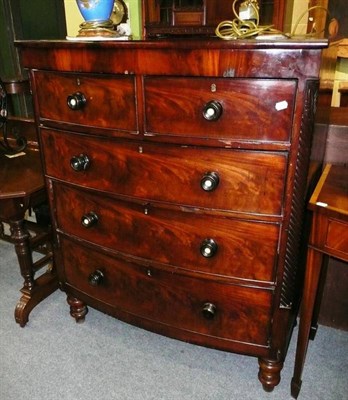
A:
[253, 109]
[337, 237]
[237, 313]
[244, 181]
[188, 240]
[109, 100]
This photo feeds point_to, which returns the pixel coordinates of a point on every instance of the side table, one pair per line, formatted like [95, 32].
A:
[328, 237]
[21, 188]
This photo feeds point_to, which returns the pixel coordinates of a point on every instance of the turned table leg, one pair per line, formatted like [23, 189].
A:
[21, 239]
[34, 290]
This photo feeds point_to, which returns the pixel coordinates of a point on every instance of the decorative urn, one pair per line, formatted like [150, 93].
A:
[96, 14]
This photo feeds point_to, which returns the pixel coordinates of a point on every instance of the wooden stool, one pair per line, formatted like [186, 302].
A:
[22, 188]
[328, 237]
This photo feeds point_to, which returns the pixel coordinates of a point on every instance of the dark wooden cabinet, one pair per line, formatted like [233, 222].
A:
[20, 19]
[176, 172]
[200, 17]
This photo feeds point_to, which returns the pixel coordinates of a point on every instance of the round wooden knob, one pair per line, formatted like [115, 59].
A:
[96, 278]
[79, 163]
[212, 110]
[210, 181]
[89, 220]
[76, 101]
[208, 248]
[209, 310]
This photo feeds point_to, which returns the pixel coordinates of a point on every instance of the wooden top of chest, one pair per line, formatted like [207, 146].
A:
[195, 57]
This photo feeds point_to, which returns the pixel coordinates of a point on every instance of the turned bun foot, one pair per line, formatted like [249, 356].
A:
[269, 373]
[268, 388]
[78, 309]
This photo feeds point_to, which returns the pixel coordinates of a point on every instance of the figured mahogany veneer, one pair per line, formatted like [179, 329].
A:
[110, 100]
[173, 237]
[142, 170]
[174, 300]
[249, 110]
[177, 174]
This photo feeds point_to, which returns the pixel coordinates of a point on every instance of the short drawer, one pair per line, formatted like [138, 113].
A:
[109, 100]
[243, 181]
[187, 240]
[337, 237]
[220, 108]
[197, 305]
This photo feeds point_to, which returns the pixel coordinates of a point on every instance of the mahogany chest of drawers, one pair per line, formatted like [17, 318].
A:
[176, 173]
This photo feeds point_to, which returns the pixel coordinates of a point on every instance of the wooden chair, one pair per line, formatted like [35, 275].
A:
[22, 189]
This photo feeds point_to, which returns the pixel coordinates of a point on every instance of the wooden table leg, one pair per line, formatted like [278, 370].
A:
[44, 286]
[313, 269]
[319, 296]
[21, 239]
[34, 290]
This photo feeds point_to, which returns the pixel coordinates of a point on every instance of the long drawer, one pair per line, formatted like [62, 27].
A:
[206, 307]
[225, 179]
[223, 108]
[109, 100]
[186, 240]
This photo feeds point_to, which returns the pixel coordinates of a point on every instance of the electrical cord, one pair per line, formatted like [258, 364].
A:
[244, 29]
[293, 33]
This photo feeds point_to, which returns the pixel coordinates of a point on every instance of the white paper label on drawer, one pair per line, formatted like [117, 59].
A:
[281, 105]
[321, 204]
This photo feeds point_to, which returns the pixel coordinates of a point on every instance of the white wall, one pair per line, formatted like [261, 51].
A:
[294, 9]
